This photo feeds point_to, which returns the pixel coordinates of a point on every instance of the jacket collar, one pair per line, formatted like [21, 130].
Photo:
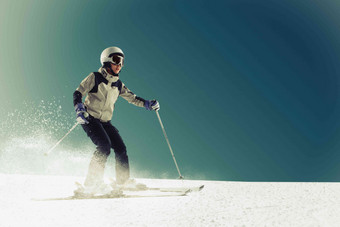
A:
[108, 76]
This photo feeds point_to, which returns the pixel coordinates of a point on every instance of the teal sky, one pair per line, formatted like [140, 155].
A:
[248, 89]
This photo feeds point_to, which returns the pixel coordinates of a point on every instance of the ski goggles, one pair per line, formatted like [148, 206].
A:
[117, 59]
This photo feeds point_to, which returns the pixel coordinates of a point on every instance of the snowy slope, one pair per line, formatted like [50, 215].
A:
[218, 204]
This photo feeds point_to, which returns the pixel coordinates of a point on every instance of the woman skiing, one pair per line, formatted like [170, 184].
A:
[102, 90]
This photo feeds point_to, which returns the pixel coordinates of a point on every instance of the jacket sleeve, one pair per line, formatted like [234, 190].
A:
[131, 97]
[85, 86]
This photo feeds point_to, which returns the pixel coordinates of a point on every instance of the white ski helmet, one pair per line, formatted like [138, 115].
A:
[106, 55]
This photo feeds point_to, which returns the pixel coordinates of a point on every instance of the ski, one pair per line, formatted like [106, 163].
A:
[143, 187]
[119, 192]
[165, 189]
[112, 196]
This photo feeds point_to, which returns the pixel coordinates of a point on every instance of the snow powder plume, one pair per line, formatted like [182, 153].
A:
[27, 133]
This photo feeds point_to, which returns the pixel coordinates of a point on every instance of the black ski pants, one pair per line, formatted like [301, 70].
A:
[105, 136]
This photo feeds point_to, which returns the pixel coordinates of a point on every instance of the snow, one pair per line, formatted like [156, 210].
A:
[218, 204]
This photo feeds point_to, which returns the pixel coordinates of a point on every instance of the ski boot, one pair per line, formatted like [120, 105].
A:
[129, 185]
[97, 189]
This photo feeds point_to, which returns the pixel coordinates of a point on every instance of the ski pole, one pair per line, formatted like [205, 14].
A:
[167, 140]
[51, 149]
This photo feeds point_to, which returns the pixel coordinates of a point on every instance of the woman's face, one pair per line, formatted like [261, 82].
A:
[116, 68]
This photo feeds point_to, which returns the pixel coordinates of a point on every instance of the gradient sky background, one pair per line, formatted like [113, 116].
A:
[248, 89]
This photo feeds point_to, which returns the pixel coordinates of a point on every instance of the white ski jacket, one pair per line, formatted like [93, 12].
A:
[102, 90]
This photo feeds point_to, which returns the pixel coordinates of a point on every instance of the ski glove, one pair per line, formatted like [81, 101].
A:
[152, 105]
[81, 113]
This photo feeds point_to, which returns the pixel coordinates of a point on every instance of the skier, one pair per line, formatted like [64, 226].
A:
[103, 89]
